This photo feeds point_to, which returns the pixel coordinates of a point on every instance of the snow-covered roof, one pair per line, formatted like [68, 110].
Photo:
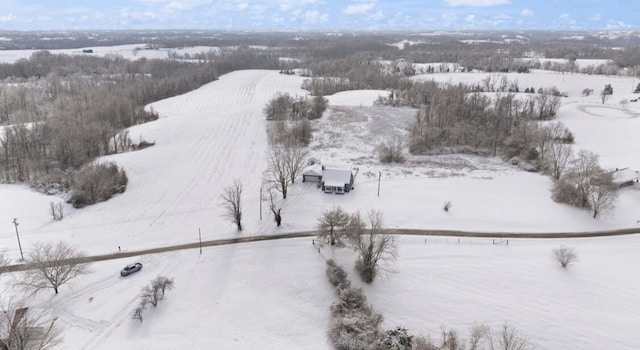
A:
[336, 177]
[625, 175]
[313, 170]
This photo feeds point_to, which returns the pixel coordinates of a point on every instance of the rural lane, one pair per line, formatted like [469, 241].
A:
[409, 232]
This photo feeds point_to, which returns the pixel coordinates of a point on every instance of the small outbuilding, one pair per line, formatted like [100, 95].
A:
[312, 173]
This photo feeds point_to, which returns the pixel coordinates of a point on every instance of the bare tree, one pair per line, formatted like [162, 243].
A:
[332, 225]
[565, 256]
[476, 335]
[137, 313]
[52, 266]
[508, 338]
[451, 340]
[151, 295]
[278, 171]
[163, 283]
[557, 159]
[27, 329]
[294, 158]
[232, 203]
[374, 247]
[277, 212]
[603, 194]
[584, 169]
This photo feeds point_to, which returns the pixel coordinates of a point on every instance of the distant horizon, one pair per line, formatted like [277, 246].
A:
[320, 15]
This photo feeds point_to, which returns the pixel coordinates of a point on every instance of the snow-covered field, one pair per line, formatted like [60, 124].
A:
[130, 51]
[274, 295]
[572, 84]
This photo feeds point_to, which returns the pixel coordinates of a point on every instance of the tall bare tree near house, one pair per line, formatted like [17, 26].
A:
[278, 170]
[584, 169]
[586, 185]
[332, 225]
[22, 328]
[603, 194]
[53, 264]
[557, 158]
[294, 158]
[232, 203]
[374, 248]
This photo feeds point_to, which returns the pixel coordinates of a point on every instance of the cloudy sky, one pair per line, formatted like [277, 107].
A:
[320, 14]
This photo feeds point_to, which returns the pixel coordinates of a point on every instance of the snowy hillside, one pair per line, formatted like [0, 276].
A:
[274, 295]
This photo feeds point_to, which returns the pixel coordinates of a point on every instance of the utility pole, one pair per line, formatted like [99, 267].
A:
[379, 176]
[15, 222]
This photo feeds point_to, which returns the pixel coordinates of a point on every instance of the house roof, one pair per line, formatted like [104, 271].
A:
[336, 177]
[313, 170]
[625, 175]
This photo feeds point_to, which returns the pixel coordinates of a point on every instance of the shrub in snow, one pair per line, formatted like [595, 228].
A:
[354, 325]
[421, 343]
[95, 183]
[447, 206]
[564, 256]
[396, 339]
[391, 152]
[337, 276]
[357, 331]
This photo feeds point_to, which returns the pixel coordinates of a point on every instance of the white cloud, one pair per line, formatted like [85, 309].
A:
[501, 16]
[526, 13]
[359, 8]
[470, 18]
[311, 17]
[243, 6]
[613, 24]
[286, 5]
[277, 19]
[7, 18]
[376, 16]
[476, 3]
[449, 18]
[595, 17]
[572, 23]
[127, 13]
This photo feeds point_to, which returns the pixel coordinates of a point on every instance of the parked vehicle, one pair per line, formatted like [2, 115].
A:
[131, 268]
